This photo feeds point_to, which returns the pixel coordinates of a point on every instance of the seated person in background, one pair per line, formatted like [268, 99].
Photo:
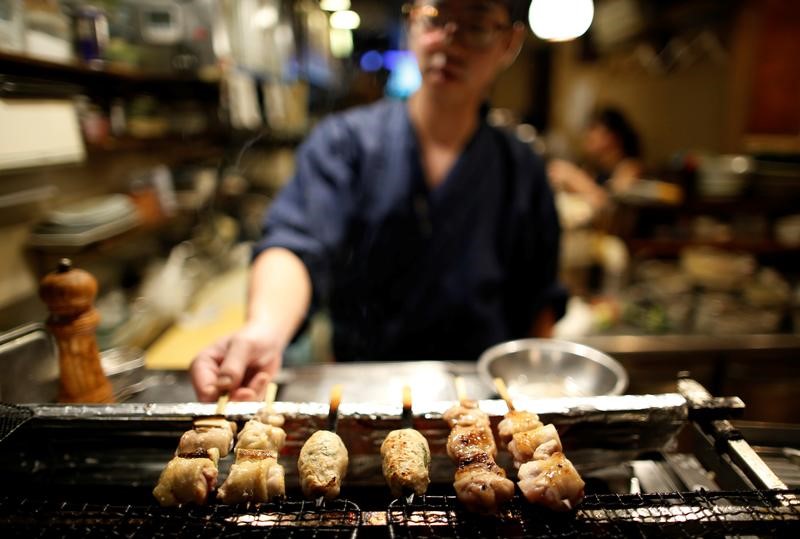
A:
[612, 153]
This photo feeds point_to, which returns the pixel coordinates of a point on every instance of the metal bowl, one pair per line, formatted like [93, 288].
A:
[545, 368]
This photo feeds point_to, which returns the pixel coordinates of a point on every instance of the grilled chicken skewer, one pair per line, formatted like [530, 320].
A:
[191, 475]
[480, 484]
[545, 475]
[256, 475]
[322, 463]
[406, 457]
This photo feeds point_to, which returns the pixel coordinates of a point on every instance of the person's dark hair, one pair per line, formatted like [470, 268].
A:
[615, 121]
[517, 9]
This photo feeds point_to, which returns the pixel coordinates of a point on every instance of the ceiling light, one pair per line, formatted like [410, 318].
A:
[266, 17]
[334, 5]
[341, 42]
[345, 20]
[560, 20]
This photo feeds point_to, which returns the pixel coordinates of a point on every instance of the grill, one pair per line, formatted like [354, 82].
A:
[692, 514]
[30, 517]
[87, 471]
[11, 418]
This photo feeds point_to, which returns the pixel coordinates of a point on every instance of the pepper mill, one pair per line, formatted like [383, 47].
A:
[69, 294]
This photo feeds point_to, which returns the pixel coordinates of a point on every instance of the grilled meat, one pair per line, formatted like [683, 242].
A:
[322, 464]
[208, 433]
[406, 462]
[480, 484]
[545, 475]
[516, 421]
[534, 444]
[256, 476]
[258, 435]
[552, 482]
[188, 478]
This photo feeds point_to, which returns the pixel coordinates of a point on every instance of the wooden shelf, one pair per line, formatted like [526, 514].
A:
[156, 144]
[42, 68]
[671, 247]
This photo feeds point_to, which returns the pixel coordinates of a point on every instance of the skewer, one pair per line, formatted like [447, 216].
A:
[333, 410]
[502, 390]
[461, 390]
[333, 418]
[407, 422]
[222, 402]
[269, 397]
[480, 483]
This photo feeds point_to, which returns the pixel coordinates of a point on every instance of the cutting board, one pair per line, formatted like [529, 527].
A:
[218, 311]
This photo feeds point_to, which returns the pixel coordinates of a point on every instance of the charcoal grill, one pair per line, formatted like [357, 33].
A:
[87, 471]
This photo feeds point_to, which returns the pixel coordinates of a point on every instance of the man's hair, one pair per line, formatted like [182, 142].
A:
[517, 9]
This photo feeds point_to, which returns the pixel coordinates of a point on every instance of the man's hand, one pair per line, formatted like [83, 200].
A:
[242, 364]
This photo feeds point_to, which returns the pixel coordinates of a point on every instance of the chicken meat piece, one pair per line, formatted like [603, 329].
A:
[322, 464]
[406, 462]
[267, 417]
[207, 434]
[516, 421]
[466, 413]
[466, 441]
[536, 444]
[258, 435]
[187, 480]
[552, 482]
[255, 477]
[481, 485]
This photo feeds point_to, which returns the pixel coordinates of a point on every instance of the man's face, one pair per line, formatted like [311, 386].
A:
[460, 44]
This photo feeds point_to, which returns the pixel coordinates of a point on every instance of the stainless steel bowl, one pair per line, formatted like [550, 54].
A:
[545, 368]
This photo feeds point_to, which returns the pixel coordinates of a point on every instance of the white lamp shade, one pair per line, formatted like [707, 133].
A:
[560, 20]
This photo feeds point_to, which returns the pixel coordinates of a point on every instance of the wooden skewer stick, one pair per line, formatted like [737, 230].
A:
[501, 388]
[333, 410]
[222, 402]
[408, 416]
[407, 422]
[461, 389]
[269, 397]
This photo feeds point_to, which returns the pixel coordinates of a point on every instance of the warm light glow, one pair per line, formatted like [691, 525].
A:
[334, 5]
[341, 42]
[345, 20]
[266, 17]
[560, 20]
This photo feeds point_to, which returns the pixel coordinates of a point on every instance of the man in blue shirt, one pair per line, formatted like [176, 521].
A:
[427, 233]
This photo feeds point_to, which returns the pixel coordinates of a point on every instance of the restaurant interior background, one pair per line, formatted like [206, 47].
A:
[145, 139]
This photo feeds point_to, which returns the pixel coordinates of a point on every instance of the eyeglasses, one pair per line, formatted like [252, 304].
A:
[472, 28]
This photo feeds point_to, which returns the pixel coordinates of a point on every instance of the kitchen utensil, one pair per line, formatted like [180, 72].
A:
[544, 368]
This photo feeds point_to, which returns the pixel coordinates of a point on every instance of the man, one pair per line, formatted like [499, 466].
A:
[427, 233]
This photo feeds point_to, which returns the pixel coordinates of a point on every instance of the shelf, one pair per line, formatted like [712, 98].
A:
[31, 66]
[670, 247]
[155, 144]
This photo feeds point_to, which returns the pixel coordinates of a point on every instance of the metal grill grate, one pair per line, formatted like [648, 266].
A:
[706, 514]
[717, 514]
[42, 518]
[12, 417]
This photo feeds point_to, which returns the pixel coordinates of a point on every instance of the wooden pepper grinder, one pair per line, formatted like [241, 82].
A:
[69, 294]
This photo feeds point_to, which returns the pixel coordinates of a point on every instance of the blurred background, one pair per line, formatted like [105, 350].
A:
[146, 139]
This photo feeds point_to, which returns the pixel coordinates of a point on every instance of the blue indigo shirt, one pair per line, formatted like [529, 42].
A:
[410, 273]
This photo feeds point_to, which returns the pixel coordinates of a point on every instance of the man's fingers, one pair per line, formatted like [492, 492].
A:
[204, 372]
[258, 383]
[244, 394]
[233, 367]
